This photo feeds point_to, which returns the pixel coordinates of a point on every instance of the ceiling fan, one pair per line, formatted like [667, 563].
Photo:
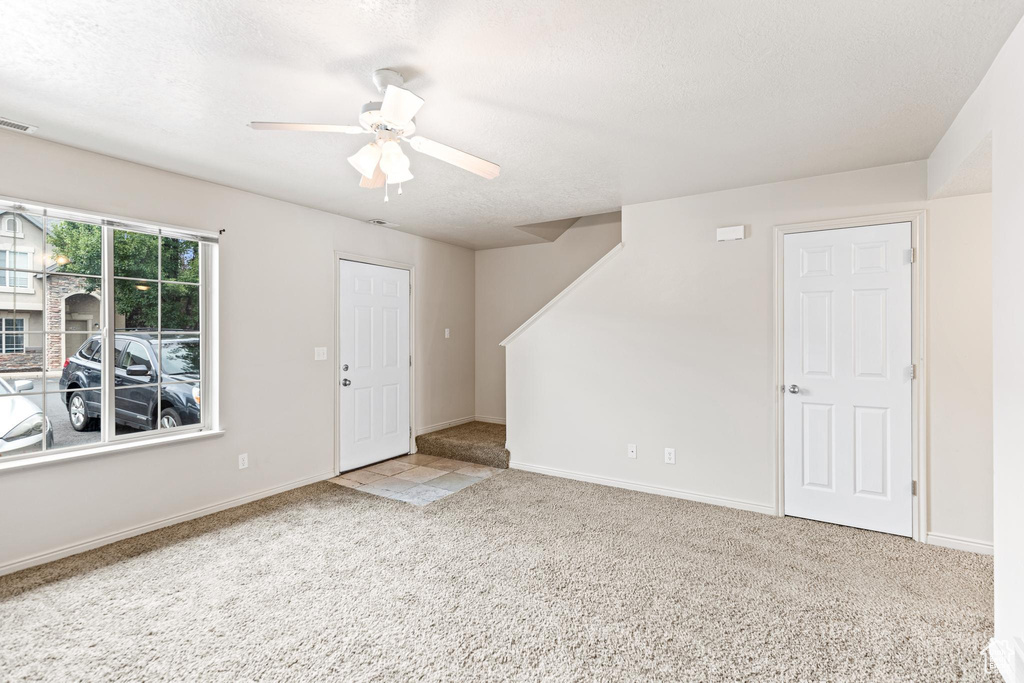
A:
[382, 162]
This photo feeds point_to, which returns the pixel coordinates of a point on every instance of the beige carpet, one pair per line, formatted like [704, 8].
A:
[520, 577]
[480, 442]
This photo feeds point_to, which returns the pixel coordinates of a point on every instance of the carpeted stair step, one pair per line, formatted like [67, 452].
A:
[482, 443]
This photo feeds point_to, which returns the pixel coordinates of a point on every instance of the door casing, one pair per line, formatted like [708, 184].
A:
[340, 256]
[917, 220]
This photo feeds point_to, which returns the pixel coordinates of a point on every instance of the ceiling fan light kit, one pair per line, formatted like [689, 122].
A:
[383, 162]
[365, 160]
[392, 160]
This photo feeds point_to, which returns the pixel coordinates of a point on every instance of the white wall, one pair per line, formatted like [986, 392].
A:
[513, 283]
[995, 111]
[959, 352]
[277, 303]
[1007, 76]
[970, 128]
[670, 344]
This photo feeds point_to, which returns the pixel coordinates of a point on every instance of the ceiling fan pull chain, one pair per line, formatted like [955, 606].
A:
[399, 188]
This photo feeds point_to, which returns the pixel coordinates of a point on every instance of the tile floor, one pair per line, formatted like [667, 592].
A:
[418, 479]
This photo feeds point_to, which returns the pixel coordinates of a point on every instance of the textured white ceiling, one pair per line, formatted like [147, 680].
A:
[586, 105]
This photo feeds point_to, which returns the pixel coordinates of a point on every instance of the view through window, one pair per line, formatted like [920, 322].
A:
[103, 331]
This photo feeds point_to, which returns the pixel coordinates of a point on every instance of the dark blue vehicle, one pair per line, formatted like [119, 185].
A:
[135, 378]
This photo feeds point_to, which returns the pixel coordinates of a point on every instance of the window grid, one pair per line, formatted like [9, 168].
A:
[159, 281]
[108, 333]
[12, 343]
[14, 268]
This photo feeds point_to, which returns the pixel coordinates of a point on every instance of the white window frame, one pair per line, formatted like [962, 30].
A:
[29, 288]
[209, 336]
[18, 230]
[4, 332]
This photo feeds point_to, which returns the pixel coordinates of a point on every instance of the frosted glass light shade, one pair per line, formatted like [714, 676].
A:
[392, 159]
[365, 160]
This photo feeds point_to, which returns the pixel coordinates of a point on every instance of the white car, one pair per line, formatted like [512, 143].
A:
[21, 420]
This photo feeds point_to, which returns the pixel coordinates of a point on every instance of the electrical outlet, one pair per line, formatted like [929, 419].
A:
[243, 461]
[631, 451]
[447, 333]
[319, 353]
[670, 456]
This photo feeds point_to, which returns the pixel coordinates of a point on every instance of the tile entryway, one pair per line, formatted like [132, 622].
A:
[419, 479]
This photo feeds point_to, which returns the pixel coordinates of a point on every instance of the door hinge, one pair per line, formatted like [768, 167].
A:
[410, 361]
[913, 254]
[913, 487]
[410, 432]
[913, 371]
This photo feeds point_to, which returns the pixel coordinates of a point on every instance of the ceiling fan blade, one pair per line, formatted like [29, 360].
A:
[399, 105]
[378, 180]
[308, 127]
[455, 157]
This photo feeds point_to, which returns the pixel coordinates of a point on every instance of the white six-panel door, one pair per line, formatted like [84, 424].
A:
[373, 359]
[847, 371]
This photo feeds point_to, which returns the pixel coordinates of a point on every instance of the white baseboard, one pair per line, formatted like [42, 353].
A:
[461, 421]
[959, 543]
[444, 425]
[646, 488]
[76, 548]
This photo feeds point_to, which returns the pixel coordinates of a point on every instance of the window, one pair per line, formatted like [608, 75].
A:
[112, 343]
[21, 260]
[135, 355]
[180, 358]
[12, 343]
[11, 225]
[89, 349]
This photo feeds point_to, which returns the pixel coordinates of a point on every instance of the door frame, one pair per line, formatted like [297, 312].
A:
[340, 256]
[918, 311]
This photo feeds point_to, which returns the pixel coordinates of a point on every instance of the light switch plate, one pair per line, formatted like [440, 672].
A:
[320, 353]
[447, 333]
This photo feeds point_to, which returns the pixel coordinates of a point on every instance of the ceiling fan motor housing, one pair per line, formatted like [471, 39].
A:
[382, 78]
[370, 119]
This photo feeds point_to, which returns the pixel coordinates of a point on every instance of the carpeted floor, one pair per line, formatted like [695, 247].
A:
[480, 442]
[520, 577]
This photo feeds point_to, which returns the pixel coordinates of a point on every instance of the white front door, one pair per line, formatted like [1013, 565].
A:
[374, 363]
[847, 406]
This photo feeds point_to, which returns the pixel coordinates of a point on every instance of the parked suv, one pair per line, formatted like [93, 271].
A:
[135, 393]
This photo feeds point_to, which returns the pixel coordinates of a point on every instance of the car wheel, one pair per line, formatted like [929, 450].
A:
[79, 416]
[169, 418]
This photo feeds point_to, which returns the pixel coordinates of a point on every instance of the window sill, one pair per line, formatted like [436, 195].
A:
[108, 449]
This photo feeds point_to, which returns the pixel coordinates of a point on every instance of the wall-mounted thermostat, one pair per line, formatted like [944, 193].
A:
[733, 232]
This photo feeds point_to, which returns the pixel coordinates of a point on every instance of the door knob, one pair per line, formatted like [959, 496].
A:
[345, 382]
[794, 389]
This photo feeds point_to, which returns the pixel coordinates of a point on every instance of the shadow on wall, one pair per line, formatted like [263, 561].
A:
[513, 283]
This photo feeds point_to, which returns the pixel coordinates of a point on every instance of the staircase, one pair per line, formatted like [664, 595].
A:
[482, 443]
